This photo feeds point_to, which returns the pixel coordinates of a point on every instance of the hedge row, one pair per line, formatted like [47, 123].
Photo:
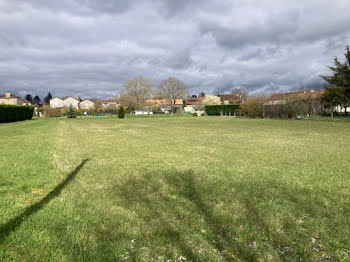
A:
[59, 112]
[216, 110]
[12, 113]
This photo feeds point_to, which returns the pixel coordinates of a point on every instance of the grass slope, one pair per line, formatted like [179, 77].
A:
[153, 189]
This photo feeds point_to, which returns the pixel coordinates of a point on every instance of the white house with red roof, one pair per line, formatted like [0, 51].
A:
[11, 99]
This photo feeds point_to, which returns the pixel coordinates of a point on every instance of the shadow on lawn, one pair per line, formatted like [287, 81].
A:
[177, 205]
[157, 208]
[12, 225]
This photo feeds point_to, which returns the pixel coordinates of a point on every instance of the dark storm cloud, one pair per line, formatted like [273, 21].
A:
[91, 47]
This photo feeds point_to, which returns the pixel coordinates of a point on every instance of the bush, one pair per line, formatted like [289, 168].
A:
[157, 110]
[252, 108]
[50, 112]
[110, 110]
[294, 107]
[71, 113]
[277, 111]
[121, 112]
[13, 113]
[217, 110]
[290, 109]
[58, 112]
[195, 114]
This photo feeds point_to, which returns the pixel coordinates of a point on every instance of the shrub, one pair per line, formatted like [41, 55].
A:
[121, 112]
[195, 114]
[13, 113]
[50, 112]
[216, 110]
[277, 111]
[252, 108]
[157, 110]
[111, 110]
[294, 107]
[71, 113]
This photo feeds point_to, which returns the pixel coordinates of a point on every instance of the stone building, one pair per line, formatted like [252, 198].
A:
[69, 101]
[10, 99]
[86, 104]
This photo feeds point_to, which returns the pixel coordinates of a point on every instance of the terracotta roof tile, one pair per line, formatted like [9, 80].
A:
[194, 100]
[11, 96]
[230, 97]
[291, 95]
[110, 101]
[163, 102]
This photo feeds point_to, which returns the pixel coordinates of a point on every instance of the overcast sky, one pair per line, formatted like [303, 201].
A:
[91, 47]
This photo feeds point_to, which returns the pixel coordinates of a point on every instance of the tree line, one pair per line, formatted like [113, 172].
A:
[36, 100]
[137, 90]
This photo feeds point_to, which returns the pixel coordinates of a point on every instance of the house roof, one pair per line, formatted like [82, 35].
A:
[55, 97]
[86, 100]
[230, 97]
[194, 100]
[111, 100]
[25, 101]
[162, 102]
[64, 98]
[11, 96]
[291, 95]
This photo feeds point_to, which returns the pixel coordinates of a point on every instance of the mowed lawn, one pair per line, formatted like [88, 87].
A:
[170, 189]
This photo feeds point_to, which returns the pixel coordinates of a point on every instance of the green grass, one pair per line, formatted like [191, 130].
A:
[329, 118]
[153, 189]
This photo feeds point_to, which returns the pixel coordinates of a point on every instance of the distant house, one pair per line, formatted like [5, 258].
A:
[26, 102]
[230, 99]
[56, 102]
[192, 103]
[110, 103]
[11, 99]
[69, 101]
[340, 109]
[164, 104]
[193, 100]
[86, 104]
[282, 98]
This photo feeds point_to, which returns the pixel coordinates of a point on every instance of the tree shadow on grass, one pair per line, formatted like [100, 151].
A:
[14, 223]
[157, 208]
[175, 206]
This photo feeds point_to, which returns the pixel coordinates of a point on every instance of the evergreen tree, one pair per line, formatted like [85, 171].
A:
[71, 113]
[338, 89]
[29, 98]
[121, 112]
[36, 100]
[48, 98]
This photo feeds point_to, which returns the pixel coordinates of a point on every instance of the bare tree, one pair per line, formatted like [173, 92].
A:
[172, 89]
[135, 92]
[97, 102]
[241, 91]
[208, 100]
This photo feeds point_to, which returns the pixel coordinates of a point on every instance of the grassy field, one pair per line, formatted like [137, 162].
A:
[158, 189]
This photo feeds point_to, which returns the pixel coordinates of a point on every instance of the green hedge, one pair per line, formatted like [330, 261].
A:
[12, 113]
[216, 110]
